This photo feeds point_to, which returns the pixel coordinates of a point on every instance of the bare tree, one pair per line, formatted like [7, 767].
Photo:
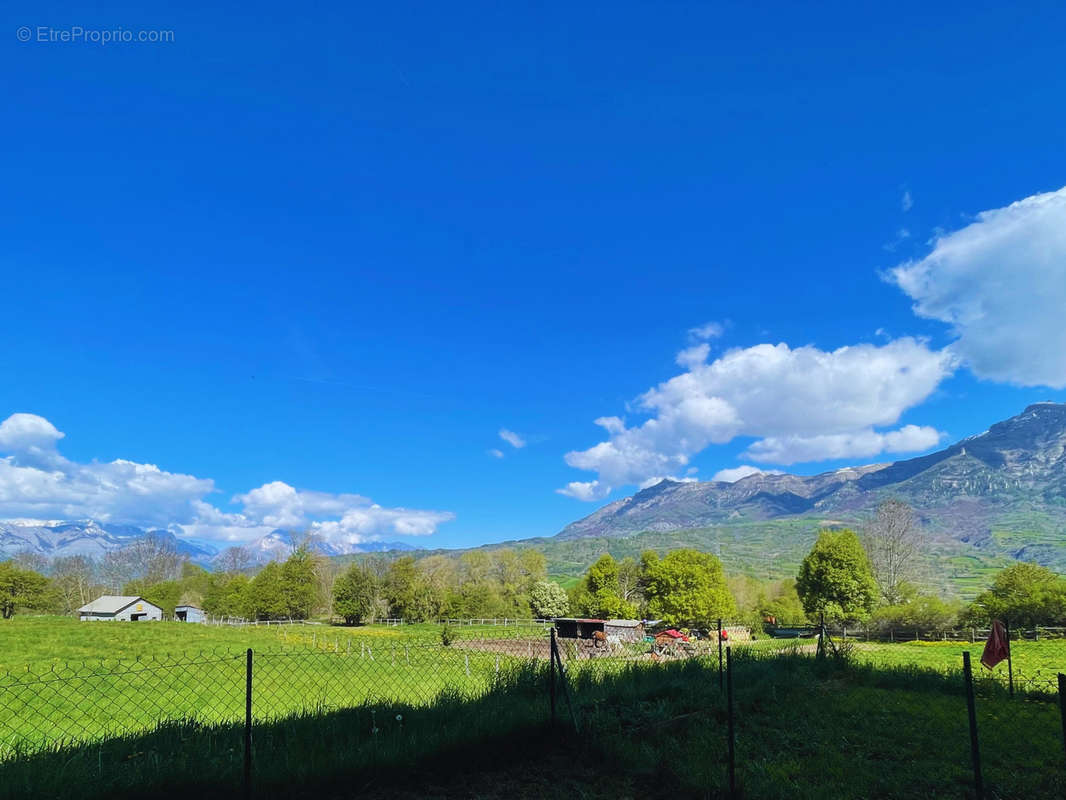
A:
[29, 559]
[150, 559]
[154, 558]
[892, 543]
[629, 575]
[115, 570]
[234, 559]
[74, 576]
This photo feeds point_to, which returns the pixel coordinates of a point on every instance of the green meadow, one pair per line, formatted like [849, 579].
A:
[52, 639]
[806, 729]
[68, 681]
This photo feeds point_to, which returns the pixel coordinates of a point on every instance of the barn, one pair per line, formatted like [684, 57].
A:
[119, 607]
[624, 630]
[189, 614]
[612, 630]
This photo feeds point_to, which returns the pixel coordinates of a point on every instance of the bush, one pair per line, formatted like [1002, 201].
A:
[548, 600]
[448, 634]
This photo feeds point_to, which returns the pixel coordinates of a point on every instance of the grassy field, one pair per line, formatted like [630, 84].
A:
[119, 706]
[33, 640]
[805, 729]
[70, 681]
[1035, 663]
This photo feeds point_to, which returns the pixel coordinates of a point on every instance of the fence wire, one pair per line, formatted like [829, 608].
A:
[44, 708]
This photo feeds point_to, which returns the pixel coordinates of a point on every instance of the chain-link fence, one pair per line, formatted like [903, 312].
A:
[49, 705]
[323, 702]
[1037, 654]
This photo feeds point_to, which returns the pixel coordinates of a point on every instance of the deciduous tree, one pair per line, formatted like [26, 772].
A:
[21, 588]
[599, 594]
[355, 595]
[687, 588]
[1025, 594]
[835, 578]
[548, 600]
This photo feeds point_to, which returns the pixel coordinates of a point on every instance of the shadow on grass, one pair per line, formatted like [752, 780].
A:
[806, 728]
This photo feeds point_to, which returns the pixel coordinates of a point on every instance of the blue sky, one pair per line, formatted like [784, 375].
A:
[308, 264]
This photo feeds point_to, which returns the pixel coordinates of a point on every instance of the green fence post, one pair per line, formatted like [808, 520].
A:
[732, 724]
[975, 750]
[248, 727]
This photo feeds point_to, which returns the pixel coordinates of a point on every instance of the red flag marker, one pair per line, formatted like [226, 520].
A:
[996, 648]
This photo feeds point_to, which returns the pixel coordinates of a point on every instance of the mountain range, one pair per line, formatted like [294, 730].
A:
[57, 538]
[983, 502]
[1006, 486]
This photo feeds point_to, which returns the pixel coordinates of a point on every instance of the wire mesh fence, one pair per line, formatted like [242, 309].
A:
[583, 683]
[1038, 654]
[50, 705]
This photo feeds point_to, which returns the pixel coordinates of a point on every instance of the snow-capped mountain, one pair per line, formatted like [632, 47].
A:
[56, 538]
[278, 544]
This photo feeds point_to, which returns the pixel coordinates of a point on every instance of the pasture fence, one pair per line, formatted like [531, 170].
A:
[385, 683]
[390, 622]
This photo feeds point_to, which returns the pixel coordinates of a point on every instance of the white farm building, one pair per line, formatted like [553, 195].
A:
[117, 607]
[188, 613]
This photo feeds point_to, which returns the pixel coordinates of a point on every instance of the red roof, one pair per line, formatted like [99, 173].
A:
[676, 635]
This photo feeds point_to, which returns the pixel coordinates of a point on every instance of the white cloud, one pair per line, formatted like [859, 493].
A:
[691, 356]
[37, 482]
[495, 452]
[902, 235]
[803, 403]
[585, 490]
[31, 437]
[352, 518]
[906, 202]
[657, 479]
[512, 438]
[859, 444]
[708, 330]
[1000, 283]
[734, 474]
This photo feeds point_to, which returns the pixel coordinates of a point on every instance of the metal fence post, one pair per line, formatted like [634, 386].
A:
[1062, 707]
[720, 676]
[551, 675]
[732, 729]
[971, 709]
[566, 686]
[248, 728]
[1010, 664]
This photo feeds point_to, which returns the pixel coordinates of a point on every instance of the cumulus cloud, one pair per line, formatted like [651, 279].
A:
[804, 404]
[708, 330]
[30, 438]
[859, 444]
[512, 438]
[691, 356]
[1000, 283]
[734, 474]
[37, 482]
[350, 518]
[585, 490]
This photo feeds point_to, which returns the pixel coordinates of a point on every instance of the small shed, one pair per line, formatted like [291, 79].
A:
[120, 607]
[611, 630]
[624, 630]
[570, 628]
[189, 614]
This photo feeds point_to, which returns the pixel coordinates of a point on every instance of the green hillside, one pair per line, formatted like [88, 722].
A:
[768, 550]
